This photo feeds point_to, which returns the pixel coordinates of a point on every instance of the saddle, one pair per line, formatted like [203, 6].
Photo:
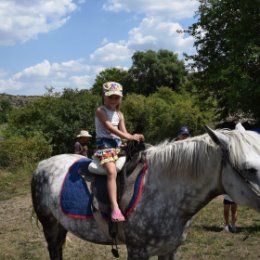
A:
[129, 166]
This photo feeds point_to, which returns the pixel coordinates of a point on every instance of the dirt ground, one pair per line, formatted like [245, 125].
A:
[20, 238]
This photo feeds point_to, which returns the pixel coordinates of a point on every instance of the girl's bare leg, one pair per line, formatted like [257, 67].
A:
[116, 214]
[111, 184]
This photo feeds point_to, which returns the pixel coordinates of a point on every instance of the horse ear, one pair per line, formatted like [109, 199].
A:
[218, 138]
[240, 127]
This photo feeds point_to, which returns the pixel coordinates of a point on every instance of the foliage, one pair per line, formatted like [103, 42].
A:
[112, 74]
[5, 109]
[161, 115]
[151, 70]
[133, 108]
[227, 60]
[58, 117]
[17, 151]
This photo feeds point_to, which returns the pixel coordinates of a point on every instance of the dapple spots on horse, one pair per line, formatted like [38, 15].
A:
[182, 177]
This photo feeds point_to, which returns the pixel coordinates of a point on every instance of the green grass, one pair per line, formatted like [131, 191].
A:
[207, 240]
[16, 182]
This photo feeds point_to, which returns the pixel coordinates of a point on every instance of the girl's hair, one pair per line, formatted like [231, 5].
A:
[117, 107]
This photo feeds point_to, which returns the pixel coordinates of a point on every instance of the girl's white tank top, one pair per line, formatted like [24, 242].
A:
[113, 117]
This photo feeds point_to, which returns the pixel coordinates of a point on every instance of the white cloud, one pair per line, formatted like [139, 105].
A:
[39, 70]
[159, 29]
[81, 80]
[10, 86]
[23, 20]
[173, 9]
[152, 33]
[68, 74]
[112, 54]
[155, 34]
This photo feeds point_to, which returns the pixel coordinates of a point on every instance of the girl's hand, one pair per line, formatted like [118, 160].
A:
[138, 137]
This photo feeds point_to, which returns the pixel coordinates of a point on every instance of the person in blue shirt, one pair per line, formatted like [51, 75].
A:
[183, 133]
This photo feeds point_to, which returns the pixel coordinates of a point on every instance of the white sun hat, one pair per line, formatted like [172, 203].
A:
[84, 133]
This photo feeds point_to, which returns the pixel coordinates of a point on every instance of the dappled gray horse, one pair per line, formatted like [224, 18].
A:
[182, 177]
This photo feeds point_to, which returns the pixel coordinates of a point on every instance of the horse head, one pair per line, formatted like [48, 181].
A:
[241, 164]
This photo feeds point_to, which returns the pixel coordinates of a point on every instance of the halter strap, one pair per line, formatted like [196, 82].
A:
[226, 159]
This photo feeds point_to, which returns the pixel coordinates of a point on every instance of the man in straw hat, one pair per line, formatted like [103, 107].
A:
[80, 146]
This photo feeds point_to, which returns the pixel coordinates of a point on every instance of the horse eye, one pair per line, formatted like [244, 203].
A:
[251, 170]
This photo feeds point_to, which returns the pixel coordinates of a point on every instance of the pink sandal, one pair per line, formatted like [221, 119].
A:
[117, 216]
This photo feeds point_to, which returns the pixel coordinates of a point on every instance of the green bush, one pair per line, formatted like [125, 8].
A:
[18, 151]
[59, 118]
[160, 115]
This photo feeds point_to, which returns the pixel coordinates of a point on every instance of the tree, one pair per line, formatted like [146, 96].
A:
[227, 60]
[160, 115]
[112, 74]
[5, 109]
[134, 111]
[151, 70]
[58, 117]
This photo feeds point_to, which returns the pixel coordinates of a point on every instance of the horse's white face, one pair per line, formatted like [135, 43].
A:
[243, 184]
[242, 181]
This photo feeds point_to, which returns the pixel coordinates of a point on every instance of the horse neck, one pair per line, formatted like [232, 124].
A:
[189, 177]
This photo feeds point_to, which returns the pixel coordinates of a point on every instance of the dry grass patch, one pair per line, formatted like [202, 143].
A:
[21, 239]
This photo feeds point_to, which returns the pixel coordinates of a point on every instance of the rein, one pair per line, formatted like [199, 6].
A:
[226, 159]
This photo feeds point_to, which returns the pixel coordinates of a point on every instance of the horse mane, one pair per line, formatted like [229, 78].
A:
[188, 157]
[242, 144]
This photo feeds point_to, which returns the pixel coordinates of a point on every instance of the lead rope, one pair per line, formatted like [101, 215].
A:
[113, 230]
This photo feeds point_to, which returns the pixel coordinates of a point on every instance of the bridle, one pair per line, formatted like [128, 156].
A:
[226, 160]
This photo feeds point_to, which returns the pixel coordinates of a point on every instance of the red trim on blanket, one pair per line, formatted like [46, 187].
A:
[78, 216]
[66, 214]
[129, 211]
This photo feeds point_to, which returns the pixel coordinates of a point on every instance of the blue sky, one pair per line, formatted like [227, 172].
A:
[66, 43]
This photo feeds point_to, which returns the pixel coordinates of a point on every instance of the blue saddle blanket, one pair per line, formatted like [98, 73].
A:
[75, 197]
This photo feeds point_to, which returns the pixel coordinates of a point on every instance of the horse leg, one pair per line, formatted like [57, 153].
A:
[54, 233]
[169, 256]
[55, 236]
[135, 253]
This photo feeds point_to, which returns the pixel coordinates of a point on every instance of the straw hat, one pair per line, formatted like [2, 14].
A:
[84, 133]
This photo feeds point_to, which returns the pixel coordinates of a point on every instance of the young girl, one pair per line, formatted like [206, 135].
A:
[110, 128]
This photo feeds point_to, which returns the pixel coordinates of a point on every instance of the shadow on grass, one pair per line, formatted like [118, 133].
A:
[248, 230]
[212, 228]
